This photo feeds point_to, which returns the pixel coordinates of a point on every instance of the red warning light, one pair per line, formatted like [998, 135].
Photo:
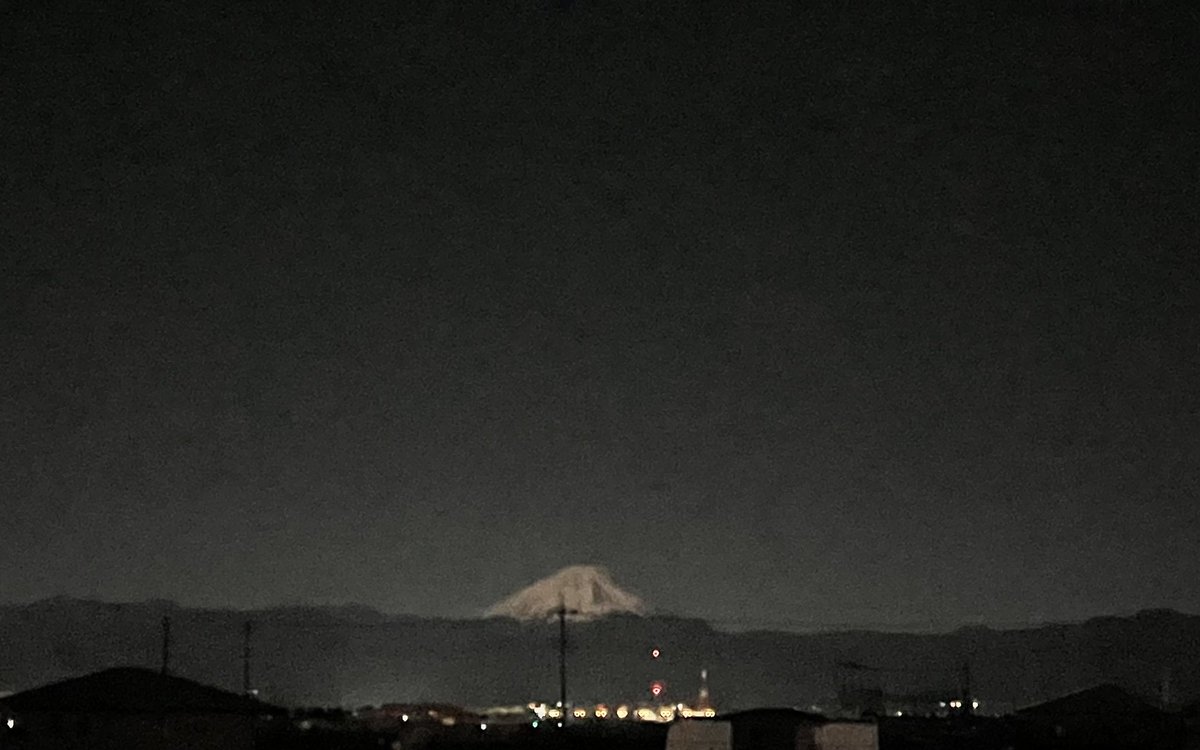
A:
[656, 689]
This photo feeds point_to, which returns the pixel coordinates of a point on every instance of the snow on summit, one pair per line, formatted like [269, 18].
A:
[587, 591]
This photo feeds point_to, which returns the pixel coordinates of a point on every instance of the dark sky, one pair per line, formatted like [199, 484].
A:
[886, 315]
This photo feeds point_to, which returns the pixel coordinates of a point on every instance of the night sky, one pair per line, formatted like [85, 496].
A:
[873, 313]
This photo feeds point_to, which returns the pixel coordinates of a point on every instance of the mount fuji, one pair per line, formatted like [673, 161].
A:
[586, 591]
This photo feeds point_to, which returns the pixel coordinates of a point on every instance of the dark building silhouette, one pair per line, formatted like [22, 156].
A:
[130, 708]
[1105, 716]
[788, 729]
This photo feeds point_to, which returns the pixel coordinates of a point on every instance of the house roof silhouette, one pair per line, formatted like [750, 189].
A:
[133, 690]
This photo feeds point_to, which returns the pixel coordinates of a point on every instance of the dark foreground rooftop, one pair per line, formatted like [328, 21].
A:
[133, 690]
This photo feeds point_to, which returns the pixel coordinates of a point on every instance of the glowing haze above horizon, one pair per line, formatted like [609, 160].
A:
[779, 317]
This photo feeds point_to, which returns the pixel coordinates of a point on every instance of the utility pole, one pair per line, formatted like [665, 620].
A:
[166, 644]
[968, 698]
[562, 659]
[247, 630]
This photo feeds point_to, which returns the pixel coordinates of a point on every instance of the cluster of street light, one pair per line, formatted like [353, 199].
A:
[658, 713]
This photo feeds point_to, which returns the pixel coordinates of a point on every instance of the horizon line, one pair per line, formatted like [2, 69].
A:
[725, 624]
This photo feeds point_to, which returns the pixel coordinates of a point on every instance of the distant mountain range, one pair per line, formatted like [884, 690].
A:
[355, 656]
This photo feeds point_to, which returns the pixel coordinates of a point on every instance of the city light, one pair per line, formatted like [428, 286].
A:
[483, 727]
[654, 712]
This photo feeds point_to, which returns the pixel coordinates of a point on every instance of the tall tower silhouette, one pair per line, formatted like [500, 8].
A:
[702, 700]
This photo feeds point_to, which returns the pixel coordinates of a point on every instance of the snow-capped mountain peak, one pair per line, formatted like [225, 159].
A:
[587, 592]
